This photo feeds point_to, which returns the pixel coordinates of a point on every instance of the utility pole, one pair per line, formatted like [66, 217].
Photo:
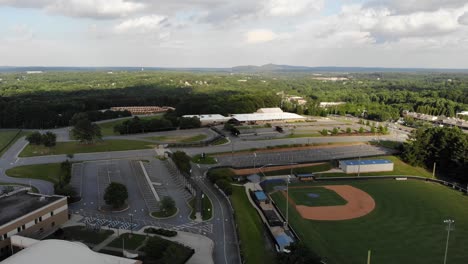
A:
[449, 222]
[131, 223]
[255, 159]
[433, 170]
[368, 256]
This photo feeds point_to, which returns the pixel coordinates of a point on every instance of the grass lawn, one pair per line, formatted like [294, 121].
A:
[132, 243]
[405, 227]
[400, 168]
[251, 229]
[179, 139]
[107, 128]
[207, 211]
[48, 172]
[325, 197]
[303, 170]
[207, 160]
[75, 147]
[220, 141]
[80, 233]
[165, 214]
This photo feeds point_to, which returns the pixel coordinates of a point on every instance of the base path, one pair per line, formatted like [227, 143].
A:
[359, 204]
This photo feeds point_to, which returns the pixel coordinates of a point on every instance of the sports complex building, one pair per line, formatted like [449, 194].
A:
[29, 214]
[363, 166]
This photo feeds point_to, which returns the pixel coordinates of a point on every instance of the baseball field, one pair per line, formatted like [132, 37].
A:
[405, 225]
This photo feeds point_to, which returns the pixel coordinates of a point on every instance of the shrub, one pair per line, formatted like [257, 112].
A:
[161, 231]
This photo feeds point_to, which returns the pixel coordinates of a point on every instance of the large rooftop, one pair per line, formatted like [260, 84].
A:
[22, 203]
[367, 162]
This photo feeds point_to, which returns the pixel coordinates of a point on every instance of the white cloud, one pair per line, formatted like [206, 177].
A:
[411, 6]
[463, 19]
[292, 7]
[141, 25]
[260, 36]
[99, 9]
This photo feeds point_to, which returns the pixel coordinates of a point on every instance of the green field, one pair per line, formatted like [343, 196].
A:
[405, 227]
[165, 214]
[207, 160]
[326, 197]
[48, 172]
[251, 229]
[400, 168]
[76, 147]
[107, 128]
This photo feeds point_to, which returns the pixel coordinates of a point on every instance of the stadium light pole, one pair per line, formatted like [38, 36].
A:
[255, 159]
[131, 223]
[449, 223]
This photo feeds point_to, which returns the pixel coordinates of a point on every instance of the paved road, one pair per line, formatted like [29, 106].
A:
[226, 249]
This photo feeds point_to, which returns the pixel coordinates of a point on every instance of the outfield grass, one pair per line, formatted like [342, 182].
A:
[325, 197]
[302, 170]
[207, 211]
[76, 147]
[80, 233]
[251, 230]
[399, 168]
[48, 172]
[132, 243]
[107, 128]
[405, 227]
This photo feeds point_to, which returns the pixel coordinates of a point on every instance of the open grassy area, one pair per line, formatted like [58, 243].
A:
[48, 172]
[179, 139]
[251, 230]
[322, 197]
[165, 214]
[76, 147]
[400, 168]
[107, 128]
[220, 141]
[207, 211]
[303, 170]
[82, 234]
[207, 160]
[131, 243]
[405, 227]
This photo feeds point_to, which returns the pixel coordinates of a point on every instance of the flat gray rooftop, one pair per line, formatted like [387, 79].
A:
[20, 204]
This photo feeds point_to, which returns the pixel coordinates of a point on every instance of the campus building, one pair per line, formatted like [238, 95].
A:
[211, 119]
[52, 251]
[363, 166]
[28, 214]
[265, 115]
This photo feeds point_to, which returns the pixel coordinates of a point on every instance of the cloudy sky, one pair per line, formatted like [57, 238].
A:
[225, 33]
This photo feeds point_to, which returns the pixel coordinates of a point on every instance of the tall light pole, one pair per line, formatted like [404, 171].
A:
[287, 201]
[255, 159]
[359, 165]
[449, 223]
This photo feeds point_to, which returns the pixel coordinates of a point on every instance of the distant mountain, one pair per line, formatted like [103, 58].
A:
[287, 68]
[267, 68]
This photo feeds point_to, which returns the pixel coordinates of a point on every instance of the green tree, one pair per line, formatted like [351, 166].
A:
[187, 123]
[348, 130]
[86, 132]
[34, 138]
[182, 161]
[361, 130]
[372, 129]
[335, 131]
[167, 204]
[324, 132]
[49, 139]
[115, 195]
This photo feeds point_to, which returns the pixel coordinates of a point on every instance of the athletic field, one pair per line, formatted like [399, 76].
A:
[406, 225]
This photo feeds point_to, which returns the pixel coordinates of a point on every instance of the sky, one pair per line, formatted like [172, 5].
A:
[226, 33]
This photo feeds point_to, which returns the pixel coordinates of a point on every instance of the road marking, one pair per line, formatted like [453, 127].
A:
[198, 165]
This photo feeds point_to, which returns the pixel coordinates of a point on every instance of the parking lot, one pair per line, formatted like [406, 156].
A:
[300, 155]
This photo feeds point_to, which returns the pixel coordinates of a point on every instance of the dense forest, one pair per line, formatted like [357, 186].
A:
[49, 100]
